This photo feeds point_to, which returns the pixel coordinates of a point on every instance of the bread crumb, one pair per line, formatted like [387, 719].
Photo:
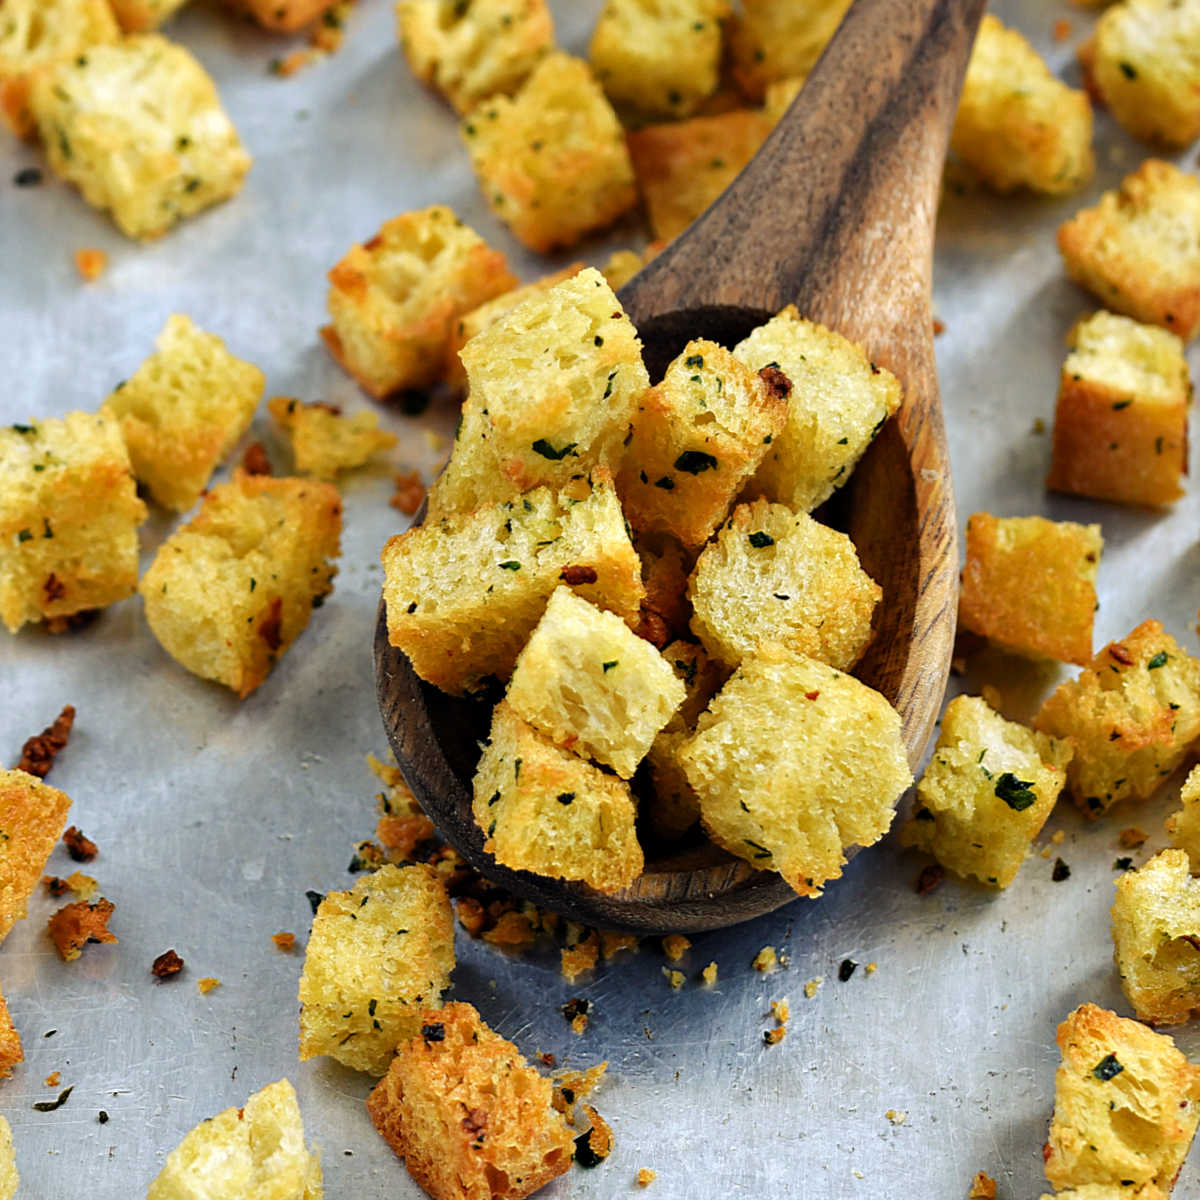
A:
[80, 848]
[895, 1116]
[75, 925]
[983, 1187]
[82, 886]
[1133, 837]
[781, 1012]
[514, 931]
[167, 965]
[813, 986]
[1062, 29]
[1039, 426]
[773, 1036]
[579, 1025]
[207, 984]
[929, 878]
[766, 960]
[675, 978]
[409, 494]
[593, 1147]
[939, 327]
[90, 263]
[709, 975]
[52, 1080]
[37, 754]
[645, 1177]
[283, 940]
[580, 958]
[255, 460]
[614, 943]
[675, 946]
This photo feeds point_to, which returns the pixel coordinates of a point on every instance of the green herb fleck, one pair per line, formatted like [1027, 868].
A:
[1159, 660]
[760, 540]
[1018, 794]
[511, 565]
[546, 450]
[695, 461]
[608, 666]
[1107, 1068]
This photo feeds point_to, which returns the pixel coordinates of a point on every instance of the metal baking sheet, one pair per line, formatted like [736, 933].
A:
[214, 816]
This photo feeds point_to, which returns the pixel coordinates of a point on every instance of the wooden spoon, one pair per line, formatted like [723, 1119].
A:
[836, 215]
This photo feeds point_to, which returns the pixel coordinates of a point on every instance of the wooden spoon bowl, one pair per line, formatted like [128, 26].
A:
[836, 215]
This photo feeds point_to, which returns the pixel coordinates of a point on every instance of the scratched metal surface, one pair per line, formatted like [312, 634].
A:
[214, 816]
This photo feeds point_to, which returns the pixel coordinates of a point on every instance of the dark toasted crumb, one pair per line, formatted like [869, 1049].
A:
[255, 460]
[270, 628]
[102, 1117]
[1061, 871]
[37, 755]
[167, 965]
[76, 925]
[575, 1007]
[578, 574]
[1132, 837]
[80, 848]
[283, 940]
[51, 1105]
[778, 385]
[929, 878]
[28, 177]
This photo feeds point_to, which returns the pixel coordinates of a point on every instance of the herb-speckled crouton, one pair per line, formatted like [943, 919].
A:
[8, 1163]
[379, 956]
[231, 590]
[140, 16]
[1120, 428]
[794, 762]
[838, 403]
[32, 818]
[552, 160]
[471, 52]
[589, 683]
[138, 127]
[546, 810]
[69, 513]
[772, 41]
[1183, 827]
[1132, 715]
[324, 441]
[1138, 250]
[281, 16]
[986, 793]
[257, 1150]
[183, 410]
[11, 1054]
[469, 1116]
[464, 591]
[1029, 585]
[1126, 1103]
[394, 300]
[1017, 125]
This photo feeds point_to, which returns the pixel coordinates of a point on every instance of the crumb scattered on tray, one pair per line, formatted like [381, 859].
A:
[409, 493]
[580, 958]
[90, 263]
[813, 986]
[53, 1079]
[82, 886]
[709, 975]
[614, 943]
[675, 946]
[1061, 871]
[766, 960]
[593, 1147]
[284, 940]
[207, 983]
[781, 1012]
[645, 1177]
[983, 1187]
[1133, 837]
[675, 978]
[255, 460]
[847, 968]
[1039, 426]
[895, 1116]
[76, 925]
[871, 968]
[37, 755]
[80, 848]
[167, 965]
[929, 878]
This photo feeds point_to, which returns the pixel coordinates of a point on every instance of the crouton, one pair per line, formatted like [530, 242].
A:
[1125, 1104]
[549, 811]
[1144, 59]
[140, 16]
[666, 566]
[553, 385]
[838, 403]
[463, 592]
[10, 1052]
[1132, 714]
[378, 958]
[1029, 585]
[1120, 428]
[552, 160]
[394, 300]
[683, 166]
[255, 1150]
[183, 410]
[69, 513]
[231, 590]
[1183, 827]
[658, 60]
[773, 575]
[792, 763]
[696, 438]
[8, 1163]
[773, 41]
[471, 52]
[1017, 125]
[986, 793]
[324, 441]
[469, 1116]
[589, 683]
[138, 127]
[281, 16]
[1138, 250]
[38, 33]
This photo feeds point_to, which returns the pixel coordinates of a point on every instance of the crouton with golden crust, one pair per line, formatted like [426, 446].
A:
[1183, 827]
[32, 818]
[325, 440]
[8, 1163]
[10, 1045]
[772, 41]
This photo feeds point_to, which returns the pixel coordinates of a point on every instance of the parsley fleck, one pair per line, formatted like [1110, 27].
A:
[695, 461]
[565, 798]
[1159, 660]
[760, 540]
[1107, 1068]
[694, 361]
[608, 666]
[511, 565]
[666, 483]
[1018, 794]
[546, 450]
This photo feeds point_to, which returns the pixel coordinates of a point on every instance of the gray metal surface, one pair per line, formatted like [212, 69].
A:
[214, 816]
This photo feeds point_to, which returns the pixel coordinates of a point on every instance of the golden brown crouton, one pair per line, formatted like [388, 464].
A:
[986, 793]
[281, 16]
[324, 441]
[378, 958]
[76, 925]
[1132, 714]
[471, 52]
[231, 590]
[1183, 827]
[395, 299]
[1029, 585]
[8, 1163]
[1120, 428]
[10, 1049]
[32, 816]
[1126, 1103]
[138, 127]
[183, 410]
[774, 41]
[140, 16]
[469, 1116]
[552, 160]
[1138, 250]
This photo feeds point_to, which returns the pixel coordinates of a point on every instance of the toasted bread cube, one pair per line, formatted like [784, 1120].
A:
[697, 437]
[1029, 585]
[1138, 250]
[138, 127]
[1017, 125]
[325, 441]
[792, 763]
[553, 385]
[183, 410]
[281, 16]
[464, 591]
[1120, 428]
[471, 52]
[32, 818]
[546, 810]
[69, 513]
[1132, 715]
[552, 160]
[35, 34]
[469, 1116]
[11, 1054]
[774, 575]
[774, 41]
[683, 166]
[1183, 827]
[666, 566]
[1125, 1104]
[839, 402]
[140, 16]
[231, 590]
[394, 300]
[986, 793]
[255, 1150]
[589, 683]
[658, 60]
[8, 1163]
